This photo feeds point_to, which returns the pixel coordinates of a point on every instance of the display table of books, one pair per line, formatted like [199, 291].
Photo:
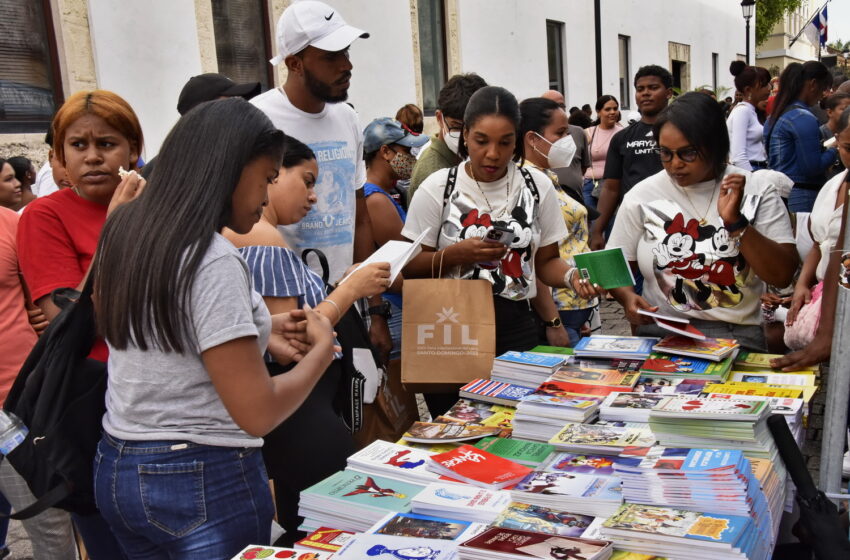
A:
[624, 447]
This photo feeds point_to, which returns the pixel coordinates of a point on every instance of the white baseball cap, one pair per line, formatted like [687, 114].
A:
[313, 24]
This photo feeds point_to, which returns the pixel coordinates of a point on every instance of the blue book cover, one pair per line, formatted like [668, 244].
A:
[495, 389]
[588, 464]
[685, 524]
[615, 346]
[391, 547]
[710, 459]
[422, 526]
[530, 359]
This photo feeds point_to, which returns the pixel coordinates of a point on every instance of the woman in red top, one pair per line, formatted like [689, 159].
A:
[95, 133]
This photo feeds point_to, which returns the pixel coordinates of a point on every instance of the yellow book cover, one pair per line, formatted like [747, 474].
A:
[757, 389]
[758, 361]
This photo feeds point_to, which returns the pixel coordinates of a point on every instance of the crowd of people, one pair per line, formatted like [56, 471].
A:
[219, 331]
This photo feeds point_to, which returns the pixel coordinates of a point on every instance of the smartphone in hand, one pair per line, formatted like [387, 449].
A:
[497, 234]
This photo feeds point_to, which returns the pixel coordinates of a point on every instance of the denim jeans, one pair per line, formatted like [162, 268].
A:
[171, 499]
[802, 200]
[394, 324]
[587, 193]
[573, 320]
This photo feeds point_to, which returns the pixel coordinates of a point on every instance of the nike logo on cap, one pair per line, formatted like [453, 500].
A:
[329, 16]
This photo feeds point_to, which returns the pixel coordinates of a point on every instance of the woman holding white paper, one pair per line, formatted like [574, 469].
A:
[705, 235]
[315, 430]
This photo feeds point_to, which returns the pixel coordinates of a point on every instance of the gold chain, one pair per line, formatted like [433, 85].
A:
[507, 194]
[702, 220]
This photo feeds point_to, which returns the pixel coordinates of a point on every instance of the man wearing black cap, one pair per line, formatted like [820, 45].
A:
[313, 42]
[206, 87]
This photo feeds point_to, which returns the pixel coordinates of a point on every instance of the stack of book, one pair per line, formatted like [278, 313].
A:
[790, 409]
[628, 407]
[426, 527]
[597, 376]
[605, 346]
[584, 463]
[528, 453]
[528, 517]
[714, 349]
[585, 494]
[675, 386]
[477, 467]
[325, 539]
[354, 501]
[602, 439]
[661, 365]
[460, 501]
[382, 458]
[528, 369]
[495, 392]
[440, 432]
[544, 412]
[706, 480]
[390, 546]
[679, 533]
[510, 544]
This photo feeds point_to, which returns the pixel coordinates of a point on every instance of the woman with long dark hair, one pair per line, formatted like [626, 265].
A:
[746, 148]
[598, 139]
[705, 235]
[489, 188]
[316, 429]
[179, 470]
[792, 135]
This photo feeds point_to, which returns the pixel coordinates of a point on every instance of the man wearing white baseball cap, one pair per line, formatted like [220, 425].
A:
[313, 41]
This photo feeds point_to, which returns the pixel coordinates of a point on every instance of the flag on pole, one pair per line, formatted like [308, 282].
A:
[816, 30]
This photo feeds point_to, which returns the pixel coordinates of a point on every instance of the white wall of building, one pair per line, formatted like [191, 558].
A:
[145, 52]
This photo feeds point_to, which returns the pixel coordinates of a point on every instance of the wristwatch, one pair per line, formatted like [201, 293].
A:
[554, 323]
[382, 310]
[740, 224]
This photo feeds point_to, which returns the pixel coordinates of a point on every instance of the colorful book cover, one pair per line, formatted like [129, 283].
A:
[393, 457]
[473, 465]
[755, 389]
[539, 519]
[518, 450]
[607, 268]
[602, 465]
[453, 497]
[421, 526]
[566, 388]
[634, 401]
[659, 363]
[759, 361]
[669, 386]
[391, 547]
[602, 344]
[358, 489]
[532, 545]
[254, 552]
[556, 393]
[711, 348]
[777, 405]
[771, 378]
[486, 389]
[701, 406]
[529, 360]
[615, 372]
[678, 523]
[325, 538]
[469, 411]
[628, 555]
[433, 432]
[552, 350]
[676, 325]
[606, 436]
[572, 485]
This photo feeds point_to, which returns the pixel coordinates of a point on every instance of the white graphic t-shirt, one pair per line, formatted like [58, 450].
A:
[694, 269]
[334, 135]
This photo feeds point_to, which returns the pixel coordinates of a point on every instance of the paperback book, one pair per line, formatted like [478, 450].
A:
[585, 463]
[629, 407]
[714, 349]
[674, 386]
[585, 494]
[392, 547]
[487, 390]
[669, 366]
[599, 375]
[607, 268]
[469, 411]
[605, 346]
[509, 544]
[383, 458]
[595, 438]
[524, 452]
[676, 325]
[460, 501]
[420, 526]
[528, 517]
[437, 432]
[325, 539]
[758, 361]
[254, 552]
[477, 467]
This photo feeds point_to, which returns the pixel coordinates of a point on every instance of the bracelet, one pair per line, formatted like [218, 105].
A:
[338, 312]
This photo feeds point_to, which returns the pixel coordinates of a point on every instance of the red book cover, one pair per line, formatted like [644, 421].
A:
[325, 538]
[566, 388]
[478, 467]
[534, 545]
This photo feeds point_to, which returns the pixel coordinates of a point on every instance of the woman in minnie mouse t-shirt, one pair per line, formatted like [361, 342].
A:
[705, 235]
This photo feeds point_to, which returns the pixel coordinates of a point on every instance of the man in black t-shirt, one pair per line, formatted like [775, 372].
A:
[631, 155]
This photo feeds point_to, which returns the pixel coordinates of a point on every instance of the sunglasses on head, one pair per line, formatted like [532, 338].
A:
[688, 154]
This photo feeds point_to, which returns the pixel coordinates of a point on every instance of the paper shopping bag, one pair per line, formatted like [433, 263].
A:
[448, 333]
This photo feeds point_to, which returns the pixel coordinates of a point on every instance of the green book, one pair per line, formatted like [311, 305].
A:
[607, 268]
[528, 453]
[557, 350]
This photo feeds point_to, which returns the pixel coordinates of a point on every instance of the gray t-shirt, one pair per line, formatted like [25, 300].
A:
[153, 395]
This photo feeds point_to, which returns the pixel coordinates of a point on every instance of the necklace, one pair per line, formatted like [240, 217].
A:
[508, 177]
[702, 220]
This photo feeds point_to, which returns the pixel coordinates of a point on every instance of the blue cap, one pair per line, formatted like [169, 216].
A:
[384, 130]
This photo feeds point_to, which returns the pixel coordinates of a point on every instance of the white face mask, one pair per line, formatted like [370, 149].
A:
[452, 139]
[561, 153]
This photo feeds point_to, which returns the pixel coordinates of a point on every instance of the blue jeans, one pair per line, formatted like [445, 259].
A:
[574, 320]
[587, 193]
[802, 200]
[170, 499]
[394, 324]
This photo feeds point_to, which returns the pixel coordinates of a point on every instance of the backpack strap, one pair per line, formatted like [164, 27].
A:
[450, 185]
[529, 182]
[323, 262]
[45, 502]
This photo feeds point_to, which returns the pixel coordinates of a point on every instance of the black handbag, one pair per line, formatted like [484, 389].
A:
[351, 333]
[59, 395]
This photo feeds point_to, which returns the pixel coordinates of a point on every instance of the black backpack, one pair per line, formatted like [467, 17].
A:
[59, 395]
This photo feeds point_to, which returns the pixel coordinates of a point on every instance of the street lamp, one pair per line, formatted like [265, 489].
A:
[748, 7]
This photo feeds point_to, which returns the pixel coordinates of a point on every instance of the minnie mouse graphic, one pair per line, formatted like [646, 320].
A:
[722, 270]
[677, 254]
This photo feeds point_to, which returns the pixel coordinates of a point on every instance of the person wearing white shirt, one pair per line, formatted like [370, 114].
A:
[746, 147]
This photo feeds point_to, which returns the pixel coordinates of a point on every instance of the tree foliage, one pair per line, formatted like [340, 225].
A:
[769, 13]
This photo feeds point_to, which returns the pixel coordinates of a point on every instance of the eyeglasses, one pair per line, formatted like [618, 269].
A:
[688, 155]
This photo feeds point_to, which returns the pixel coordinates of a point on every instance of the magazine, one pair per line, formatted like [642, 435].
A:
[714, 349]
[528, 517]
[428, 432]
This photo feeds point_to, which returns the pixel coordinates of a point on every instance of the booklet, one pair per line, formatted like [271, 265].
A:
[674, 324]
[478, 467]
[397, 253]
[607, 268]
